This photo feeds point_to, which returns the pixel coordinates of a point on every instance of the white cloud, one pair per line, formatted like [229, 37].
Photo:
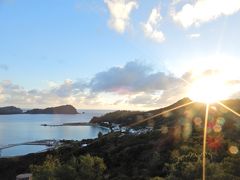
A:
[205, 10]
[131, 78]
[66, 93]
[194, 35]
[151, 26]
[120, 11]
[132, 86]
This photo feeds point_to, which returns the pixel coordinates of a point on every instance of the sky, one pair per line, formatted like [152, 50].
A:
[112, 54]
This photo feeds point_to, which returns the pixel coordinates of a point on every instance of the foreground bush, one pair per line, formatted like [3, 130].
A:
[84, 167]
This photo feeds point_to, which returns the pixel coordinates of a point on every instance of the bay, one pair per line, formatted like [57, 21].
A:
[27, 127]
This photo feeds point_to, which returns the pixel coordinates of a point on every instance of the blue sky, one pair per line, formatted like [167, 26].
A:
[49, 44]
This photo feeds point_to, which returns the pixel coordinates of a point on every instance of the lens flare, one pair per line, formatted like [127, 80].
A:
[217, 128]
[233, 149]
[209, 89]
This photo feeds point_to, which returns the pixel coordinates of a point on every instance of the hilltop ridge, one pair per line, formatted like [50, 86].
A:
[10, 110]
[65, 109]
[128, 118]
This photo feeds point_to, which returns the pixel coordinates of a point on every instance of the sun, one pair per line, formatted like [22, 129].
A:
[213, 78]
[209, 89]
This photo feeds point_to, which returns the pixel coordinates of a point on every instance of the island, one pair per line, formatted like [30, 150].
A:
[65, 109]
[10, 110]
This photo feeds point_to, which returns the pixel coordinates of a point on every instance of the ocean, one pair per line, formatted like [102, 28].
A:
[22, 128]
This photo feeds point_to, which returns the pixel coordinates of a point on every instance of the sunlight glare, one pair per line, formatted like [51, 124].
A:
[209, 89]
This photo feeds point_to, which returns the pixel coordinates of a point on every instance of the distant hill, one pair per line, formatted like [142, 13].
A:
[119, 117]
[126, 118]
[66, 109]
[10, 110]
[139, 118]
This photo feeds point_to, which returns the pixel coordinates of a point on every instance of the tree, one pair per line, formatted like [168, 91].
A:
[91, 167]
[84, 167]
[157, 178]
[47, 170]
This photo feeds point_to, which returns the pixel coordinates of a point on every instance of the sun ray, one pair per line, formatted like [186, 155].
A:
[159, 114]
[228, 108]
[184, 80]
[205, 143]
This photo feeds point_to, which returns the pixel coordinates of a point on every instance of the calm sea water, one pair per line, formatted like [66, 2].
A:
[26, 127]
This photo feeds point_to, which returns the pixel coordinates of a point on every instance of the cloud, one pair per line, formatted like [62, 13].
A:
[135, 85]
[150, 28]
[177, 91]
[194, 35]
[120, 11]
[145, 99]
[68, 88]
[68, 92]
[12, 94]
[65, 89]
[4, 67]
[133, 77]
[205, 10]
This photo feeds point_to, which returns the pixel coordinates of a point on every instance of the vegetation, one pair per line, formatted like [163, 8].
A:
[84, 167]
[151, 155]
[10, 110]
[171, 151]
[126, 118]
[65, 109]
[119, 117]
